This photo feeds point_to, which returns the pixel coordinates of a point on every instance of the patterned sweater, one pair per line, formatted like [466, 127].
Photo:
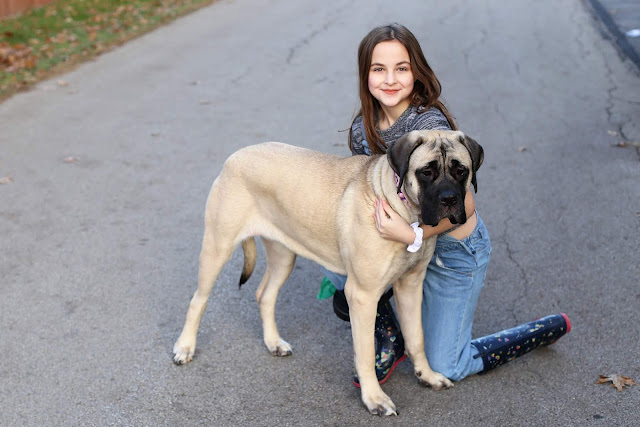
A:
[413, 118]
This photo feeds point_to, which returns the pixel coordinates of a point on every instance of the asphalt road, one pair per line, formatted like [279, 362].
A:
[101, 225]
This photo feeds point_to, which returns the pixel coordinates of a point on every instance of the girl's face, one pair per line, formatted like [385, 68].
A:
[390, 76]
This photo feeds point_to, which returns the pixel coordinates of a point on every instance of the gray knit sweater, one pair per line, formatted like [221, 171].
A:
[413, 118]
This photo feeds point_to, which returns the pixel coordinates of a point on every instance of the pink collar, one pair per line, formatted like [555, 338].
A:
[400, 193]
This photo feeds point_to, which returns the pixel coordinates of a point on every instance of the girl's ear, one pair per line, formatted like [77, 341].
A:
[399, 153]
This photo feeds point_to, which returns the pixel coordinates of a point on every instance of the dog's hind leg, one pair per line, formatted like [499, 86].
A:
[213, 256]
[280, 261]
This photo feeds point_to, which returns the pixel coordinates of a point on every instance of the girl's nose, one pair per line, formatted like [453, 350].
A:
[390, 77]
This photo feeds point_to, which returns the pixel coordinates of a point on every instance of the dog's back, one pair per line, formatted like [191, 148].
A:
[265, 183]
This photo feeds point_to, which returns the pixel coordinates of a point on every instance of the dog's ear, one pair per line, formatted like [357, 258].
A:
[477, 156]
[399, 153]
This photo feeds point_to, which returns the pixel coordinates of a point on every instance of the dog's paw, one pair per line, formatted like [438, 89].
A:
[434, 380]
[279, 348]
[379, 404]
[183, 353]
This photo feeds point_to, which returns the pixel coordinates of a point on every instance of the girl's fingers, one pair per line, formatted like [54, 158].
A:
[386, 208]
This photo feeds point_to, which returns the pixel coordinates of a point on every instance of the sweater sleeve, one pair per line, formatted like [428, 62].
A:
[358, 142]
[432, 119]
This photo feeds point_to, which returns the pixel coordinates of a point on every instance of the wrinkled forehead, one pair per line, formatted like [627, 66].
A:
[440, 145]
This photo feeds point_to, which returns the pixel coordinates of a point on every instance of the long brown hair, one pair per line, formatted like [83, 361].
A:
[426, 88]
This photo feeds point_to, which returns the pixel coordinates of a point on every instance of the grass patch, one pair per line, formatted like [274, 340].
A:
[52, 39]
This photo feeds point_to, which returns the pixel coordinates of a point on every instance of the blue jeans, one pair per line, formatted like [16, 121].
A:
[454, 279]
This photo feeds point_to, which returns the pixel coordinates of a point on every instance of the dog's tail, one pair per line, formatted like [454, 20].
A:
[250, 253]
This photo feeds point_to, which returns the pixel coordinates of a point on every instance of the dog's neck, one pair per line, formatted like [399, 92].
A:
[397, 199]
[400, 193]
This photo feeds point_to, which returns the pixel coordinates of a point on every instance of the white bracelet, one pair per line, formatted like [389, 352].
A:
[417, 243]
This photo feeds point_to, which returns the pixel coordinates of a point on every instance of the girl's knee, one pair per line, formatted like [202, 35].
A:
[455, 370]
[449, 370]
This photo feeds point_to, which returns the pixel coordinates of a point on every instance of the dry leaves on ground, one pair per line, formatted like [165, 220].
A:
[616, 380]
[16, 57]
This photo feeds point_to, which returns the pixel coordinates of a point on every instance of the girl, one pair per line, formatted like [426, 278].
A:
[399, 93]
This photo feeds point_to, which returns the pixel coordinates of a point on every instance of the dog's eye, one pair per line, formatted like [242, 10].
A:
[430, 171]
[460, 172]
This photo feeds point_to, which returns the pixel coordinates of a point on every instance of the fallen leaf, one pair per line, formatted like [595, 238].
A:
[6, 180]
[71, 159]
[612, 132]
[522, 149]
[616, 380]
[62, 83]
[624, 144]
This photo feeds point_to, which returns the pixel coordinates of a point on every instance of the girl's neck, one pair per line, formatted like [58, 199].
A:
[390, 115]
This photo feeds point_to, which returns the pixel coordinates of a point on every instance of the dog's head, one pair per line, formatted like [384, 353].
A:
[437, 168]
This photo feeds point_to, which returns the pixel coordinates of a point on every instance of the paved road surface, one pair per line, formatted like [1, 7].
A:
[98, 255]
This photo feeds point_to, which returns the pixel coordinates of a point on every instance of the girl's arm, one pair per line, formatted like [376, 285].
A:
[392, 226]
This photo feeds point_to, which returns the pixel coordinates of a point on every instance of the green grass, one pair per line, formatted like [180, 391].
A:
[52, 39]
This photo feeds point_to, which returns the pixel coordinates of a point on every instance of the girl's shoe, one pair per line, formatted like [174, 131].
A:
[340, 305]
[389, 342]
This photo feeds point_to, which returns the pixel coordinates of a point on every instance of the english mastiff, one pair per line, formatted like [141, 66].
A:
[319, 206]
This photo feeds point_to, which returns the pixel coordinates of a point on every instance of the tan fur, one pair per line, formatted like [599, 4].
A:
[319, 206]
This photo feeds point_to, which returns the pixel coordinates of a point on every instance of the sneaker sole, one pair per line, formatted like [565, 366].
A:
[384, 380]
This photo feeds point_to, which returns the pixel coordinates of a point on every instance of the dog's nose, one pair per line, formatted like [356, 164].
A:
[448, 199]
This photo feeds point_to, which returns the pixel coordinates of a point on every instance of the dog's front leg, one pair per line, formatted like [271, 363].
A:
[408, 295]
[362, 311]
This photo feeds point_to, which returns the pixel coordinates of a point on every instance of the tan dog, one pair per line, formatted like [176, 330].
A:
[319, 206]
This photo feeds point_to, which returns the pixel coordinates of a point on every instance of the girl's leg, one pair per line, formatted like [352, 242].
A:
[503, 347]
[452, 286]
[454, 280]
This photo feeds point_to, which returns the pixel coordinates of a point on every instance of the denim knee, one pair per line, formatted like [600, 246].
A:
[457, 370]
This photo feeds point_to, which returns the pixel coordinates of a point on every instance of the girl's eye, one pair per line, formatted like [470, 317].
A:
[403, 69]
[377, 69]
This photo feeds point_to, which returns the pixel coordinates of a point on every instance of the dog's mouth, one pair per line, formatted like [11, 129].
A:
[453, 214]
[450, 208]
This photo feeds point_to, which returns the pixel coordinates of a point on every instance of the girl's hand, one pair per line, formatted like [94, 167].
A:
[390, 225]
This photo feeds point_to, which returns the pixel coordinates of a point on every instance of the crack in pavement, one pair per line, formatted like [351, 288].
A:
[306, 40]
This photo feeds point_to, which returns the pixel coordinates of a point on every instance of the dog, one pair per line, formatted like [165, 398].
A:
[319, 206]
